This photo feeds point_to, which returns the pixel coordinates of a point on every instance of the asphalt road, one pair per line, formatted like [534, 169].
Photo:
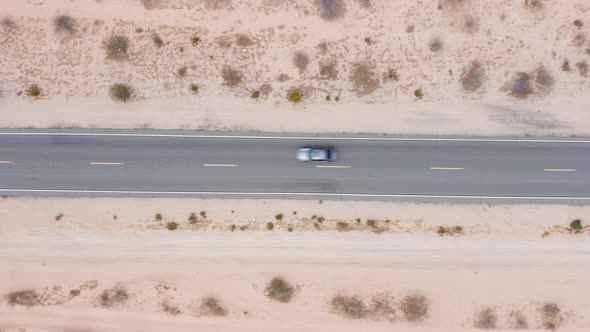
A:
[366, 168]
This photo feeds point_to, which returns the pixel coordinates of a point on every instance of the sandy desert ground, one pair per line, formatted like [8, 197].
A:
[483, 67]
[112, 265]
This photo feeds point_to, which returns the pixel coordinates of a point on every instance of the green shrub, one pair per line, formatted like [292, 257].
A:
[232, 227]
[270, 226]
[418, 93]
[120, 92]
[33, 90]
[255, 94]
[194, 88]
[294, 96]
[576, 226]
[158, 217]
[203, 214]
[371, 222]
[192, 218]
[279, 217]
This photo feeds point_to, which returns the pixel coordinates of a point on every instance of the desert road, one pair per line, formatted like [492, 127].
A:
[74, 163]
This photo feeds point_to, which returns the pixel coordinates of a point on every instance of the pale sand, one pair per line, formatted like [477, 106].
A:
[509, 266]
[507, 37]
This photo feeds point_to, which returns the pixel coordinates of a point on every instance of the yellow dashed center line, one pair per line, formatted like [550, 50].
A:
[333, 166]
[6, 162]
[220, 165]
[559, 169]
[101, 163]
[440, 168]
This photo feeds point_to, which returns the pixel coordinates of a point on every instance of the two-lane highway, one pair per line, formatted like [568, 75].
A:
[367, 168]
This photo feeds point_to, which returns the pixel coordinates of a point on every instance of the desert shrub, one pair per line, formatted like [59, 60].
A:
[518, 321]
[331, 9]
[320, 219]
[243, 40]
[418, 93]
[323, 47]
[328, 70]
[232, 77]
[64, 23]
[473, 78]
[212, 307]
[158, 217]
[270, 226]
[59, 216]
[279, 216]
[337, 98]
[381, 307]
[33, 90]
[171, 226]
[116, 47]
[328, 98]
[470, 24]
[232, 227]
[486, 319]
[446, 230]
[283, 77]
[203, 214]
[533, 4]
[290, 229]
[578, 24]
[170, 309]
[410, 28]
[576, 226]
[157, 40]
[521, 86]
[300, 60]
[195, 40]
[348, 306]
[414, 307]
[182, 71]
[342, 226]
[362, 74]
[243, 227]
[27, 298]
[565, 65]
[74, 292]
[192, 218]
[358, 220]
[266, 88]
[113, 296]
[280, 290]
[7, 23]
[368, 40]
[582, 68]
[295, 96]
[390, 75]
[579, 40]
[543, 79]
[371, 222]
[550, 316]
[120, 92]
[435, 44]
[255, 94]
[151, 4]
[217, 4]
[194, 88]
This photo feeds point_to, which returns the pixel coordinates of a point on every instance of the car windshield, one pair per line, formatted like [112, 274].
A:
[318, 154]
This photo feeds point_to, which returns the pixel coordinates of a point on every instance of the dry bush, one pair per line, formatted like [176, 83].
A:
[450, 4]
[151, 4]
[300, 60]
[470, 25]
[243, 40]
[64, 23]
[116, 47]
[255, 94]
[453, 231]
[7, 23]
[543, 79]
[381, 308]
[27, 298]
[565, 65]
[578, 24]
[435, 44]
[342, 226]
[193, 88]
[232, 77]
[323, 47]
[486, 319]
[182, 71]
[579, 40]
[348, 306]
[157, 40]
[331, 9]
[279, 290]
[473, 78]
[521, 85]
[390, 75]
[365, 3]
[171, 226]
[518, 321]
[170, 309]
[113, 296]
[582, 68]
[212, 307]
[120, 92]
[217, 4]
[33, 90]
[533, 4]
[283, 77]
[415, 307]
[362, 75]
[328, 70]
[550, 316]
[418, 93]
[266, 88]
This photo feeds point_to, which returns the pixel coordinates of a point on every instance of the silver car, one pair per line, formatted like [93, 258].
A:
[318, 154]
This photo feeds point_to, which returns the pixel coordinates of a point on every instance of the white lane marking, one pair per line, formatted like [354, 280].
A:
[309, 138]
[220, 165]
[230, 193]
[441, 168]
[6, 162]
[333, 166]
[104, 163]
[559, 169]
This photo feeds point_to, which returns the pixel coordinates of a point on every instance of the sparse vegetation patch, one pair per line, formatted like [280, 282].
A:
[300, 60]
[120, 92]
[26, 298]
[362, 76]
[331, 9]
[231, 76]
[212, 307]
[486, 319]
[348, 306]
[113, 296]
[447, 230]
[576, 226]
[415, 307]
[328, 70]
[473, 78]
[280, 290]
[295, 96]
[116, 47]
[64, 23]
[33, 90]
